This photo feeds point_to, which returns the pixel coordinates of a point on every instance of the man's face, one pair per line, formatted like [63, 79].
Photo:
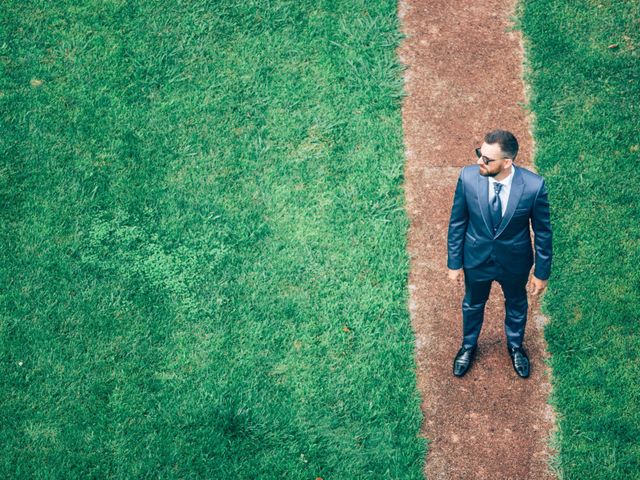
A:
[499, 163]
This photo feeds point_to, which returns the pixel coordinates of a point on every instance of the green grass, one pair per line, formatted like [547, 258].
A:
[587, 129]
[204, 242]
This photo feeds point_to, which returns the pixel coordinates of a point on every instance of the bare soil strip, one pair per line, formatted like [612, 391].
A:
[463, 78]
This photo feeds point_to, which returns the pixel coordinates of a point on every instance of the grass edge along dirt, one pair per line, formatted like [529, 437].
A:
[581, 67]
[205, 269]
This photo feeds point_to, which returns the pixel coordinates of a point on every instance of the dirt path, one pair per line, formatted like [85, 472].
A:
[463, 79]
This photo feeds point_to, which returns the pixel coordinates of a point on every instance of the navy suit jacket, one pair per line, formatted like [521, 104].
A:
[471, 240]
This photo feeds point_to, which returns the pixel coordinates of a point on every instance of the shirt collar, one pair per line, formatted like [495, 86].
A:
[505, 181]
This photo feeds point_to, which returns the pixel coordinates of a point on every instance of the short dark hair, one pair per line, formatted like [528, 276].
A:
[506, 140]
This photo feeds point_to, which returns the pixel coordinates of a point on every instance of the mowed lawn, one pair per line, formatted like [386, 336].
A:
[204, 269]
[584, 69]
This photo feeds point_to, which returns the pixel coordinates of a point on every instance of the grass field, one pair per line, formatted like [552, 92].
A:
[584, 70]
[205, 269]
[203, 227]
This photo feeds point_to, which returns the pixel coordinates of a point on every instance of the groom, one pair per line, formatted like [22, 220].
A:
[489, 239]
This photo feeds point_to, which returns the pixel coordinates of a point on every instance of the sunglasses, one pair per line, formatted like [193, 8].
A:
[486, 160]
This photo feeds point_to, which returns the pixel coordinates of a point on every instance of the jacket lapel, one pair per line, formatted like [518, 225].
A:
[517, 188]
[483, 202]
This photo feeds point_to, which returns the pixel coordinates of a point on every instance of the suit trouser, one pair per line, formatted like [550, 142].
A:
[477, 282]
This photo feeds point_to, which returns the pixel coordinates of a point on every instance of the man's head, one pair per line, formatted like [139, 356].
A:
[499, 149]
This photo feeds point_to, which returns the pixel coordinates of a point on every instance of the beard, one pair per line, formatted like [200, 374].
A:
[486, 173]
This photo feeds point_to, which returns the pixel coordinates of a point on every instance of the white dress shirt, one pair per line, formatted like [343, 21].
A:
[504, 191]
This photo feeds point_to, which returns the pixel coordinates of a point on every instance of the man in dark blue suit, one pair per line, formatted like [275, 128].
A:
[489, 240]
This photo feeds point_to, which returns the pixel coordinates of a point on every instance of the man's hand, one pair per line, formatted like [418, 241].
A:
[456, 276]
[537, 285]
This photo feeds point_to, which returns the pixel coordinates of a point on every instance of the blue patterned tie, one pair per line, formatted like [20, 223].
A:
[496, 207]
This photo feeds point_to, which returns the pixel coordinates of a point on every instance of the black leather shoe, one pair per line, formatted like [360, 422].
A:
[463, 360]
[520, 361]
